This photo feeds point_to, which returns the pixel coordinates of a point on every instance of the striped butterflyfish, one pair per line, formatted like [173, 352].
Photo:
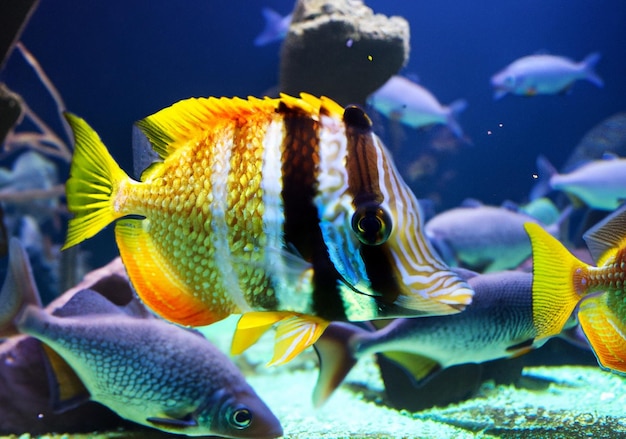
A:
[288, 211]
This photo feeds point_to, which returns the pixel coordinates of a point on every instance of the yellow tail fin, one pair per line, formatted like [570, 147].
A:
[93, 184]
[556, 281]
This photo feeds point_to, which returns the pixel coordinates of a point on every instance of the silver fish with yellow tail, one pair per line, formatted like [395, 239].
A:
[286, 210]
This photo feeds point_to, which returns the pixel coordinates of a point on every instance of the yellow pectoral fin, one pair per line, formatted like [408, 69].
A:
[251, 326]
[294, 334]
[605, 332]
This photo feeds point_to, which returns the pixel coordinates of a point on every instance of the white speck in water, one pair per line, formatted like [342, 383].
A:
[349, 42]
[489, 132]
[40, 416]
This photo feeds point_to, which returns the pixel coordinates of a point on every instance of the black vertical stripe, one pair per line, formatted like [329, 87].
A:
[364, 186]
[300, 164]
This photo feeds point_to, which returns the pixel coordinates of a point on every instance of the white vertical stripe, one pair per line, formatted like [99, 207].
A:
[220, 168]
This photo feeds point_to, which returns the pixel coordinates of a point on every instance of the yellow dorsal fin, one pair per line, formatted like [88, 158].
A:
[606, 333]
[556, 291]
[174, 126]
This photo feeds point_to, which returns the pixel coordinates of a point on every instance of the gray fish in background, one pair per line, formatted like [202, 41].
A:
[144, 369]
[504, 320]
[600, 184]
[411, 104]
[276, 27]
[544, 74]
[609, 136]
[480, 237]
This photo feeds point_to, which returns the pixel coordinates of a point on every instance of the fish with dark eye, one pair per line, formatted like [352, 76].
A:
[602, 288]
[544, 74]
[288, 211]
[506, 319]
[145, 369]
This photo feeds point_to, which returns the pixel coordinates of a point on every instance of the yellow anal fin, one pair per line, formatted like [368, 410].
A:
[94, 182]
[155, 281]
[605, 332]
[294, 333]
[251, 326]
[418, 366]
[556, 282]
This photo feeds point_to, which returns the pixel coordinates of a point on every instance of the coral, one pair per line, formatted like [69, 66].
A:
[341, 49]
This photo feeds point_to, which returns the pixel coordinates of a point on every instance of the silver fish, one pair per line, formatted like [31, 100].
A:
[413, 105]
[481, 237]
[544, 74]
[600, 184]
[505, 319]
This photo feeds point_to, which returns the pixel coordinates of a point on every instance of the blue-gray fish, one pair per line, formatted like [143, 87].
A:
[144, 369]
[412, 105]
[600, 184]
[544, 74]
[505, 319]
[481, 237]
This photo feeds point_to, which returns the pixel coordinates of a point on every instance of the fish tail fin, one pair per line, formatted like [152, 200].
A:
[272, 25]
[588, 64]
[18, 290]
[336, 359]
[455, 108]
[94, 181]
[606, 333]
[545, 171]
[557, 281]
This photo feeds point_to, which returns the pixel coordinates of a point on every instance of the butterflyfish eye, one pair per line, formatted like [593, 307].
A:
[372, 224]
[241, 418]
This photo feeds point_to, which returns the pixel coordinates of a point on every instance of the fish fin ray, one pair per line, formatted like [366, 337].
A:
[156, 283]
[294, 334]
[554, 292]
[606, 334]
[174, 126]
[94, 181]
[251, 326]
[607, 235]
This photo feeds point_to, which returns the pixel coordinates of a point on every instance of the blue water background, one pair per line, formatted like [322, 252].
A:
[118, 61]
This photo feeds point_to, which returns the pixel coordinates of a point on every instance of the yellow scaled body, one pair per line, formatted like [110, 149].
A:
[284, 210]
